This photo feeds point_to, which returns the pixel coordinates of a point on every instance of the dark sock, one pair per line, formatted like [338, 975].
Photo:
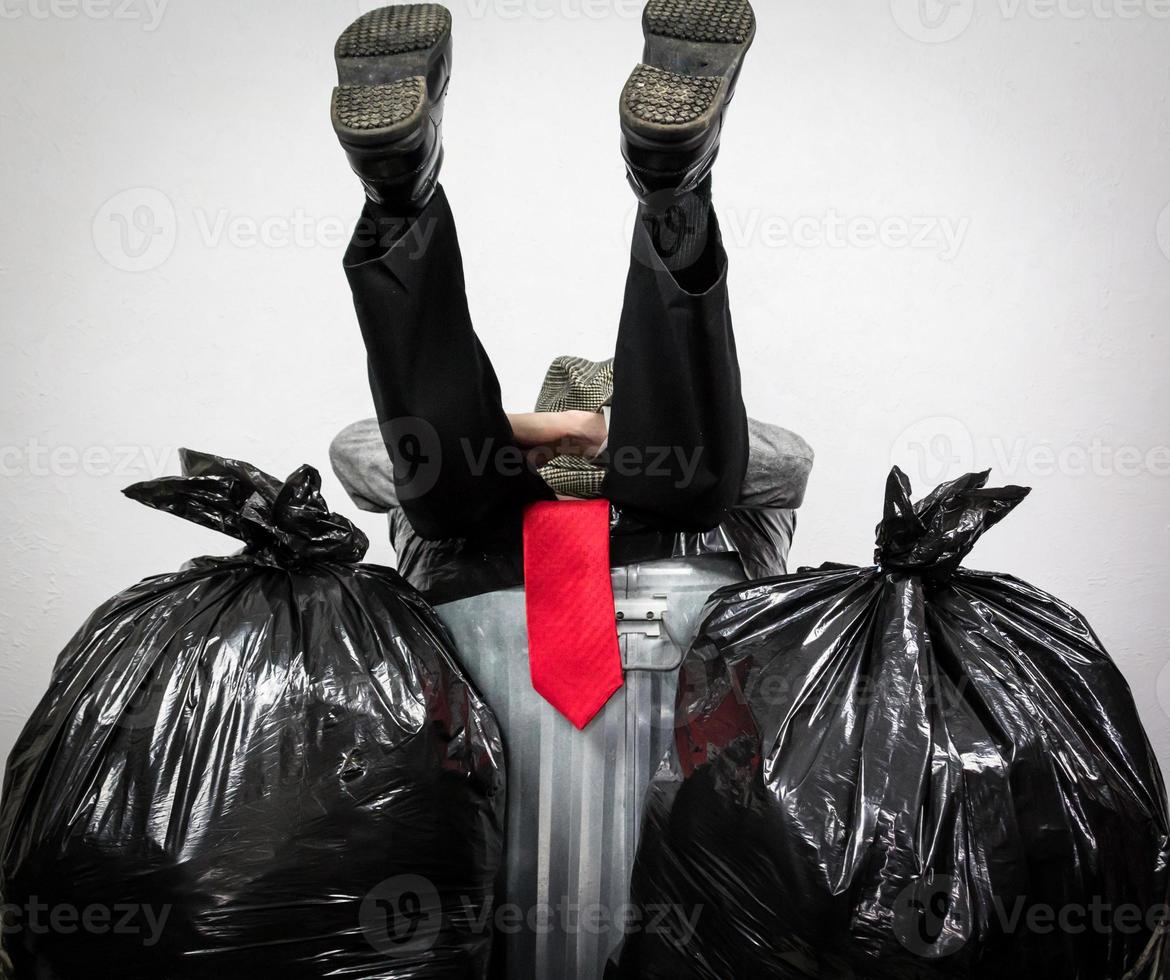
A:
[678, 225]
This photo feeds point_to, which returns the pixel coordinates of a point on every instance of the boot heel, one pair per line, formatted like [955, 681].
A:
[379, 114]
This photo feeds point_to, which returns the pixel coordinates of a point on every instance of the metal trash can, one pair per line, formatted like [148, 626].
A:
[575, 798]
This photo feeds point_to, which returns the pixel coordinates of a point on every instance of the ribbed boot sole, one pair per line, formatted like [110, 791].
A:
[713, 21]
[662, 98]
[364, 110]
[395, 30]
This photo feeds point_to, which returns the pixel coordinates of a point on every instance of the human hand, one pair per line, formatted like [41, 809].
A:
[547, 435]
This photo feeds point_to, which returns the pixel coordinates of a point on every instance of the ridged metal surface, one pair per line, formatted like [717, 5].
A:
[575, 799]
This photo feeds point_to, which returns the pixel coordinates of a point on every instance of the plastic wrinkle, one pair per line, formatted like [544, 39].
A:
[272, 759]
[881, 773]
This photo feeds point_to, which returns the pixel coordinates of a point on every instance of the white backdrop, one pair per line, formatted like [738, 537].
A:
[949, 226]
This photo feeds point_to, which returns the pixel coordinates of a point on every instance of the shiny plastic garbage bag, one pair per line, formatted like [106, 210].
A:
[906, 771]
[267, 765]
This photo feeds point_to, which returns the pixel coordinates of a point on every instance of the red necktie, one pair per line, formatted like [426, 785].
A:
[573, 650]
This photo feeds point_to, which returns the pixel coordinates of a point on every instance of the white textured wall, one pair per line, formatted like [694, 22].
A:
[947, 225]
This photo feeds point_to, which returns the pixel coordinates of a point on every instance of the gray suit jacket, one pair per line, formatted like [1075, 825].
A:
[759, 530]
[779, 464]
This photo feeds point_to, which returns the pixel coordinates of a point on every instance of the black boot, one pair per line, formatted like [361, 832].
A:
[673, 105]
[672, 112]
[394, 66]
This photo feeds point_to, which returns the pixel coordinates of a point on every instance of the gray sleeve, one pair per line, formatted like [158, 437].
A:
[779, 464]
[363, 466]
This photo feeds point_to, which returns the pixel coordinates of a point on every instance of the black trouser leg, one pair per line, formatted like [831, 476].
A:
[678, 442]
[457, 469]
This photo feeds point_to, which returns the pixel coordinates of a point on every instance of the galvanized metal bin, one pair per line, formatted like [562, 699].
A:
[575, 798]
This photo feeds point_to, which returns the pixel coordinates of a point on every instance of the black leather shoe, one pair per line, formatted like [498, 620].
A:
[673, 105]
[394, 66]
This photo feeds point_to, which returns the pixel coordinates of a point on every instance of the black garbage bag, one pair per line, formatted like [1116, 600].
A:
[901, 772]
[267, 765]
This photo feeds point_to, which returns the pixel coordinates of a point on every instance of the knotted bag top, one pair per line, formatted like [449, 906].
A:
[932, 537]
[281, 523]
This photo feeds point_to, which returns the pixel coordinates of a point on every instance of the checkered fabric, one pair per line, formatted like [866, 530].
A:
[581, 385]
